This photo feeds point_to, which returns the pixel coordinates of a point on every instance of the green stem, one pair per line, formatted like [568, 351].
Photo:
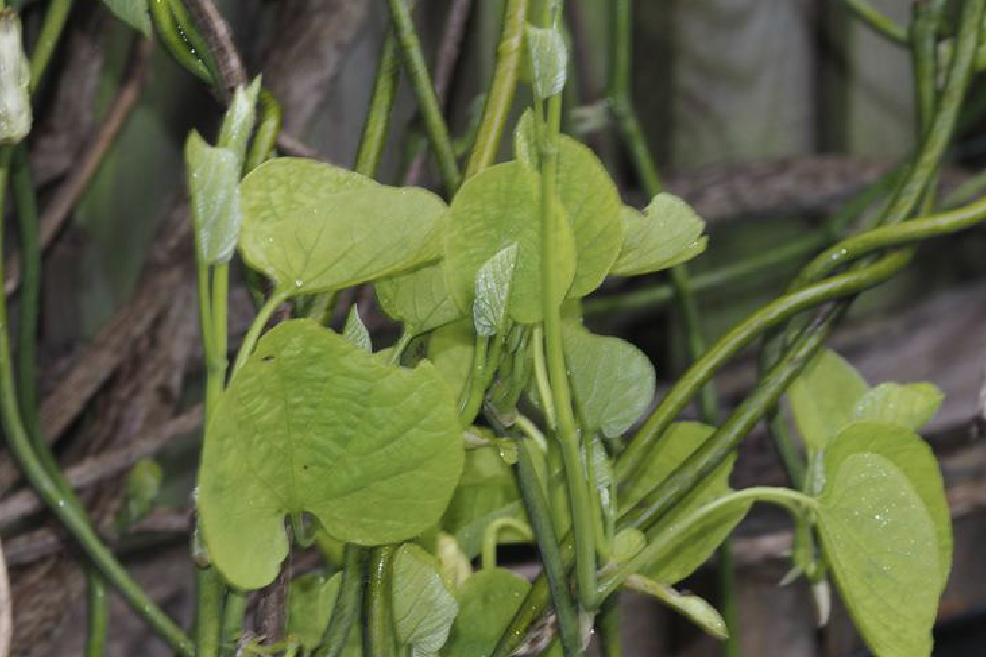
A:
[879, 23]
[27, 324]
[476, 386]
[378, 628]
[97, 615]
[234, 610]
[209, 590]
[51, 32]
[374, 134]
[608, 624]
[265, 137]
[346, 610]
[176, 40]
[500, 98]
[490, 534]
[414, 62]
[250, 339]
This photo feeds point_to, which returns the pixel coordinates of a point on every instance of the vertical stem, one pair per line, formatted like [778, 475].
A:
[414, 61]
[51, 32]
[234, 610]
[27, 324]
[97, 618]
[209, 593]
[609, 627]
[501, 94]
[378, 629]
[346, 610]
[375, 127]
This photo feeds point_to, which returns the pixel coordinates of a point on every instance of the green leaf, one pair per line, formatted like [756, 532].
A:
[880, 543]
[590, 200]
[691, 549]
[667, 233]
[690, 606]
[214, 197]
[310, 601]
[313, 423]
[912, 456]
[489, 309]
[454, 563]
[312, 227]
[238, 123]
[612, 381]
[134, 13]
[15, 80]
[355, 331]
[487, 603]
[824, 398]
[487, 491]
[418, 298]
[549, 60]
[626, 545]
[911, 405]
[424, 609]
[450, 349]
[494, 209]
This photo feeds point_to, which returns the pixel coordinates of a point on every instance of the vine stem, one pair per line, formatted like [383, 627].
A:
[250, 339]
[417, 70]
[877, 21]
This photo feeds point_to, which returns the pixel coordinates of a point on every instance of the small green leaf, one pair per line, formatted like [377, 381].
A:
[590, 199]
[134, 13]
[880, 544]
[314, 424]
[626, 545]
[238, 123]
[454, 563]
[214, 196]
[355, 331]
[494, 209]
[692, 607]
[424, 609]
[310, 601]
[15, 78]
[612, 381]
[312, 227]
[451, 349]
[489, 308]
[913, 456]
[665, 234]
[418, 298]
[141, 489]
[549, 60]
[487, 603]
[911, 405]
[691, 549]
[824, 398]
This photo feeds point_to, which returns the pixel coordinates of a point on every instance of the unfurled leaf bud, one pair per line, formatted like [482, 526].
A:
[15, 76]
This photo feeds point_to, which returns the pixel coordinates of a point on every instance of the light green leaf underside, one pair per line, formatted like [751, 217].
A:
[665, 234]
[690, 606]
[312, 227]
[214, 198]
[134, 13]
[591, 201]
[910, 405]
[824, 397]
[613, 382]
[418, 298]
[451, 348]
[313, 423]
[493, 282]
[913, 456]
[423, 607]
[487, 603]
[880, 544]
[355, 331]
[494, 209]
[549, 60]
[692, 548]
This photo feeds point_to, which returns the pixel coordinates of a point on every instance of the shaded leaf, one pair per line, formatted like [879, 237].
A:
[910, 405]
[493, 210]
[880, 544]
[313, 424]
[451, 349]
[489, 308]
[214, 197]
[487, 603]
[134, 13]
[418, 298]
[824, 398]
[424, 609]
[665, 234]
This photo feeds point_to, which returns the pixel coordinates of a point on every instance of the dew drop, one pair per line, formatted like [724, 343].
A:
[298, 282]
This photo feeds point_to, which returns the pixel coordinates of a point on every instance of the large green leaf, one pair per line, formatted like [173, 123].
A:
[451, 348]
[612, 381]
[665, 234]
[880, 543]
[912, 456]
[824, 398]
[487, 603]
[311, 598]
[590, 199]
[312, 227]
[691, 549]
[418, 298]
[911, 405]
[424, 609]
[214, 198]
[492, 211]
[134, 13]
[313, 423]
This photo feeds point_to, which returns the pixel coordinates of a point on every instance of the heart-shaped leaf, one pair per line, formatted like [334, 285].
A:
[424, 609]
[487, 603]
[493, 210]
[312, 227]
[824, 398]
[880, 542]
[314, 424]
[665, 234]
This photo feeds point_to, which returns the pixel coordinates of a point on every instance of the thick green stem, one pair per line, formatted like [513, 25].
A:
[379, 639]
[97, 615]
[375, 127]
[234, 609]
[501, 94]
[209, 593]
[346, 611]
[414, 62]
[27, 320]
